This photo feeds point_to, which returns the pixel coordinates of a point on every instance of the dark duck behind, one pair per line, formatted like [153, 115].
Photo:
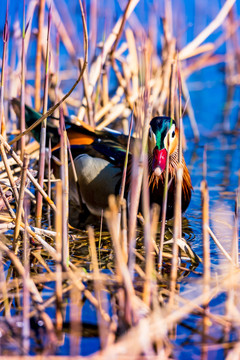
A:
[99, 159]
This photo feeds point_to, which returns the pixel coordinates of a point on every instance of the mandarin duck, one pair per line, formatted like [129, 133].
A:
[99, 158]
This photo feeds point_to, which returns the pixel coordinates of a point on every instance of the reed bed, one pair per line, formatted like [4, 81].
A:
[129, 275]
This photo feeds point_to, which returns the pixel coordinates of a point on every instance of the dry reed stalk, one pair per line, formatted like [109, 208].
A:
[51, 276]
[40, 259]
[40, 240]
[112, 216]
[32, 289]
[65, 188]
[138, 339]
[39, 55]
[164, 209]
[93, 28]
[105, 97]
[137, 172]
[203, 49]
[63, 33]
[58, 222]
[75, 320]
[125, 123]
[180, 124]
[72, 162]
[98, 290]
[127, 77]
[187, 51]
[229, 71]
[168, 22]
[26, 262]
[44, 232]
[221, 248]
[49, 176]
[29, 16]
[6, 203]
[32, 149]
[4, 289]
[218, 319]
[148, 235]
[150, 295]
[115, 113]
[97, 65]
[147, 239]
[5, 42]
[41, 164]
[206, 257]
[234, 354]
[2, 167]
[171, 97]
[9, 172]
[88, 98]
[122, 24]
[100, 236]
[50, 300]
[231, 305]
[30, 176]
[177, 234]
[168, 56]
[124, 174]
[16, 296]
[145, 186]
[133, 63]
[235, 245]
[122, 81]
[20, 212]
[73, 277]
[113, 101]
[123, 204]
[155, 327]
[232, 311]
[23, 70]
[190, 109]
[209, 58]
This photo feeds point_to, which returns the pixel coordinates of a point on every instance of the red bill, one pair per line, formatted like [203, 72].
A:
[159, 161]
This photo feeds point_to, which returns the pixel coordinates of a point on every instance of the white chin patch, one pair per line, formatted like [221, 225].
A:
[157, 171]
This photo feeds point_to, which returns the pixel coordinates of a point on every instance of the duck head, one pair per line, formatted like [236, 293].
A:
[162, 138]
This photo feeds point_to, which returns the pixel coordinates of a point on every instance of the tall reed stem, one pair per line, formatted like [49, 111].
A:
[26, 277]
[206, 255]
[177, 234]
[58, 222]
[5, 41]
[43, 131]
[65, 181]
[39, 55]
[164, 211]
[20, 202]
[23, 69]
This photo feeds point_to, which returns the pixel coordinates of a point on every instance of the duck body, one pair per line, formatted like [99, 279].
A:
[99, 160]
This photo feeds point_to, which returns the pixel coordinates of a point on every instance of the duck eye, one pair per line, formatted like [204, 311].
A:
[173, 134]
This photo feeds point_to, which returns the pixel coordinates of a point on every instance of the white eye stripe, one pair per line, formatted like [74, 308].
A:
[171, 134]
